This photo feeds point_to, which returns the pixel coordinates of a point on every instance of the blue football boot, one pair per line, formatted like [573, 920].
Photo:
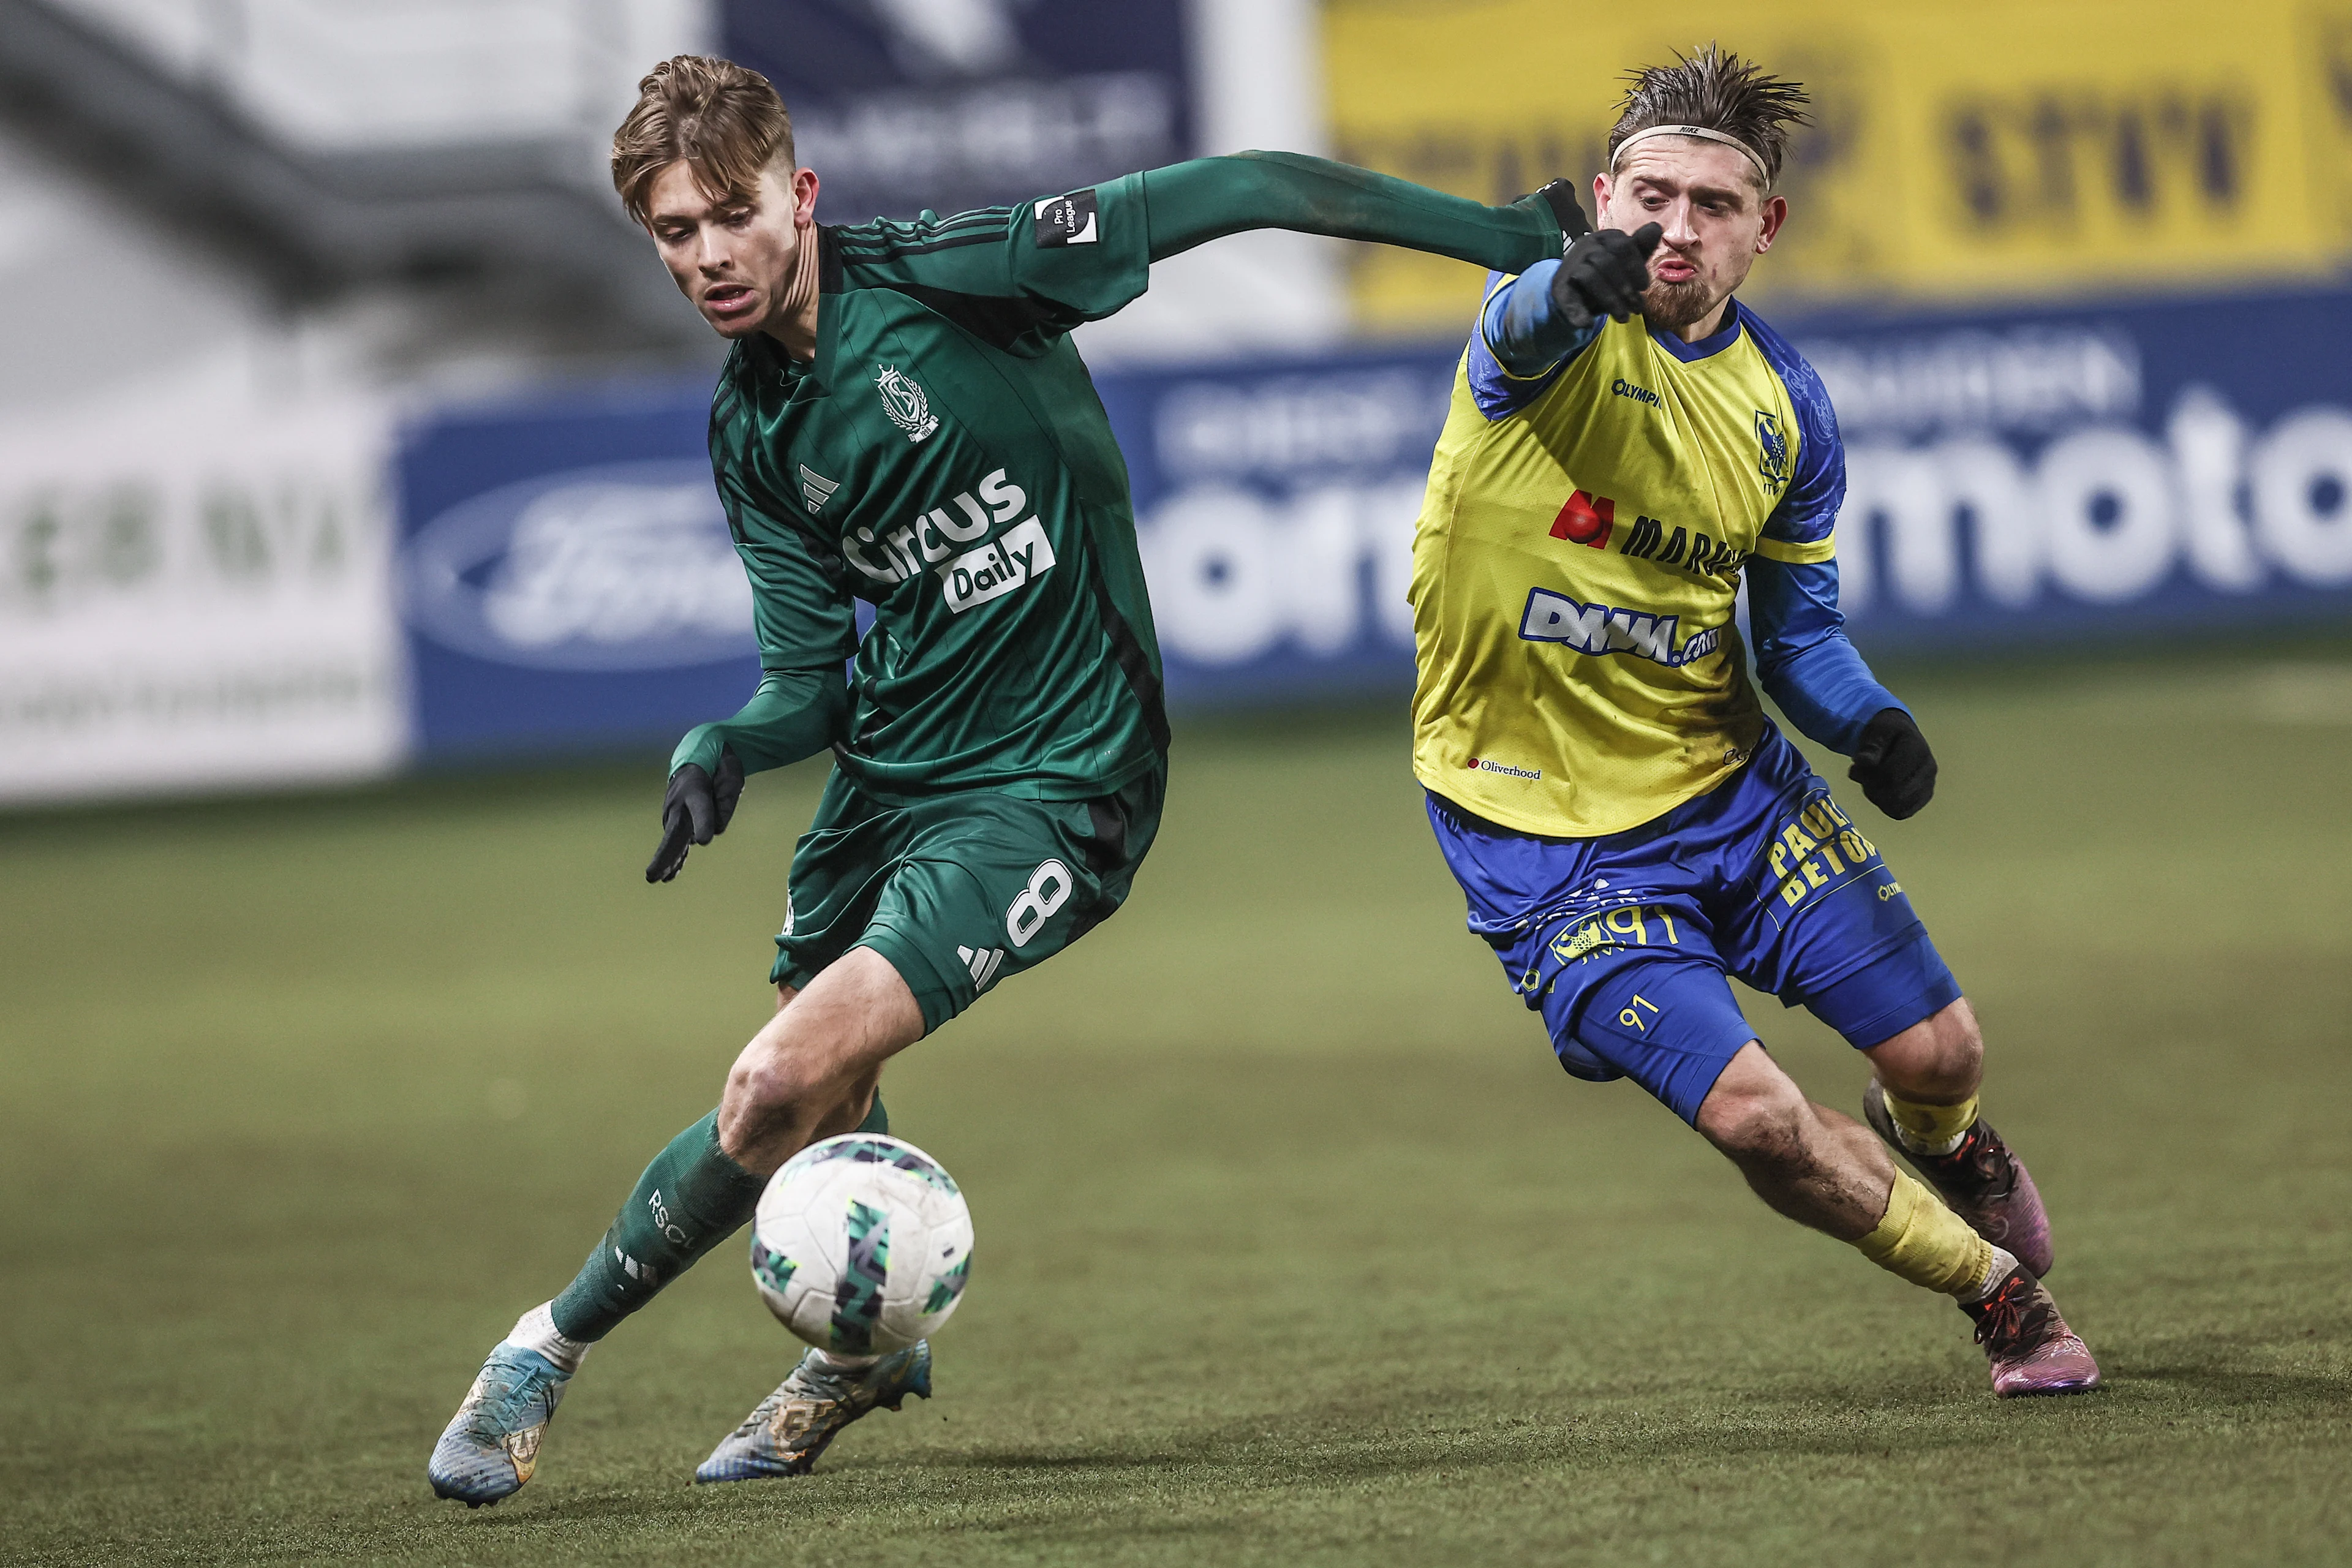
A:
[492, 1445]
[786, 1431]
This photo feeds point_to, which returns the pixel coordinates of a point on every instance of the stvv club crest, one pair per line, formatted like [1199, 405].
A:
[904, 402]
[1771, 449]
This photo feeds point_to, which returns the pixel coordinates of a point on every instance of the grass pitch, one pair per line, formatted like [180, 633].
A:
[1295, 1247]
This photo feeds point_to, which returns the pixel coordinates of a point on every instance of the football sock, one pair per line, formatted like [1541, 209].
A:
[536, 1330]
[691, 1199]
[1927, 1244]
[1929, 1129]
[1995, 1272]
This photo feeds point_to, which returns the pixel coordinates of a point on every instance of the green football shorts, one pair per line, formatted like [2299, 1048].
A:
[961, 890]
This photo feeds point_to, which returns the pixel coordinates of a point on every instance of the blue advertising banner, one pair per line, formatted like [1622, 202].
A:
[2014, 478]
[2180, 469]
[567, 576]
[1276, 506]
[899, 105]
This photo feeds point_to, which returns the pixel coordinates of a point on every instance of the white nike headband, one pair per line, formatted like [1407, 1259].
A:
[1704, 134]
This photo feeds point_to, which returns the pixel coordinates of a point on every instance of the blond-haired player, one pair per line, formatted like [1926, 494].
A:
[902, 421]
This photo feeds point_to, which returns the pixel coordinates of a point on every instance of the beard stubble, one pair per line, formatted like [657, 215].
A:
[1671, 307]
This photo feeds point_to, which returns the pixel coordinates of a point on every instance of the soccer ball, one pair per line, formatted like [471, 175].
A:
[861, 1244]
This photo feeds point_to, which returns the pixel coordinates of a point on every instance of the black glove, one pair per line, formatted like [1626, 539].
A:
[695, 811]
[1604, 273]
[1894, 765]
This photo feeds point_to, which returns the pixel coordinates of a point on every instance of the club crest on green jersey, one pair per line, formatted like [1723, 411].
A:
[904, 402]
[1771, 449]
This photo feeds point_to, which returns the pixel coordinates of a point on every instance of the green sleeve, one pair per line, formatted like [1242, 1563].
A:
[807, 629]
[795, 713]
[1208, 198]
[1020, 277]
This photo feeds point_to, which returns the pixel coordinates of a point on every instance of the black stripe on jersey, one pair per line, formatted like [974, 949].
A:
[1135, 664]
[924, 247]
[1106, 852]
[828, 259]
[887, 226]
[999, 322]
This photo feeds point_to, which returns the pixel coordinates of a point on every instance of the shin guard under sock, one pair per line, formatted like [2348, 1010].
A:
[1927, 1243]
[1926, 1129]
[691, 1199]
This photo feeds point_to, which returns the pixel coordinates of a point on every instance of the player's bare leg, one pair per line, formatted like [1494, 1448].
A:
[1826, 1170]
[809, 1073]
[1922, 1101]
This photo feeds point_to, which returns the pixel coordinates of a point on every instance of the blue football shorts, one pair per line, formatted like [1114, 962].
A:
[1623, 943]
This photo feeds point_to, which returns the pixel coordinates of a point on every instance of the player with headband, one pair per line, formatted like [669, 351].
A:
[1628, 442]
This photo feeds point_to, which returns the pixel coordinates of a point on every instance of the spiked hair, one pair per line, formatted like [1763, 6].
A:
[1714, 91]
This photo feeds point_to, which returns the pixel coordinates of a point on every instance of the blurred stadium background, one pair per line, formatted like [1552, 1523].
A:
[357, 545]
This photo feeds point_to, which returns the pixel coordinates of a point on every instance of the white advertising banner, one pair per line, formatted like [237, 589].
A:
[195, 593]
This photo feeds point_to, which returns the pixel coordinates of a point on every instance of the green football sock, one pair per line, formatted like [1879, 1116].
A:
[691, 1199]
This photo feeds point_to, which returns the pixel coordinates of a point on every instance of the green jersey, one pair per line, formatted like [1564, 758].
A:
[944, 458]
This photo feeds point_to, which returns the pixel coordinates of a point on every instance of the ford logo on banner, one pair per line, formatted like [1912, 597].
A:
[625, 567]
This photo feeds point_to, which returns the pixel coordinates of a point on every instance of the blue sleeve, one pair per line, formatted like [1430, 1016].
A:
[1803, 660]
[1814, 483]
[1521, 344]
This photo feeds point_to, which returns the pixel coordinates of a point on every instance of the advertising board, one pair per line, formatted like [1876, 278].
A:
[905, 104]
[2176, 471]
[1960, 149]
[567, 575]
[196, 593]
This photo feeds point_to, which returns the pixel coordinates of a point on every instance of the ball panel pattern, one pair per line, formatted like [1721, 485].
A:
[862, 1245]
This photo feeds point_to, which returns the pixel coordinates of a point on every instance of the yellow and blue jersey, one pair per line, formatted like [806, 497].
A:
[1577, 569]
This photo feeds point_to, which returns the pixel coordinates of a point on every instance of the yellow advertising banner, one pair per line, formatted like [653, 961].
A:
[1960, 150]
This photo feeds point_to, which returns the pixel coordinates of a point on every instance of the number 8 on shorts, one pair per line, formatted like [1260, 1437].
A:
[1048, 890]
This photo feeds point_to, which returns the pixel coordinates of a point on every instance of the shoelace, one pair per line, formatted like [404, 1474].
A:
[2015, 1312]
[1983, 1162]
[501, 1401]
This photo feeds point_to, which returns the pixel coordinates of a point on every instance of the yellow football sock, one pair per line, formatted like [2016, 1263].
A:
[1931, 1129]
[1927, 1243]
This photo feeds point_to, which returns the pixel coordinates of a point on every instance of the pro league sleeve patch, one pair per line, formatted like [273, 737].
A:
[1067, 220]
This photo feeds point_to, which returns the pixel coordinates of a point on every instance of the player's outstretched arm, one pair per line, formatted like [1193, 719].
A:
[795, 713]
[1810, 667]
[1192, 203]
[1021, 276]
[1554, 309]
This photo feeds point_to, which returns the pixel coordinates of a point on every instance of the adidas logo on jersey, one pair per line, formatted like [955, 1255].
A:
[815, 488]
[982, 964]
